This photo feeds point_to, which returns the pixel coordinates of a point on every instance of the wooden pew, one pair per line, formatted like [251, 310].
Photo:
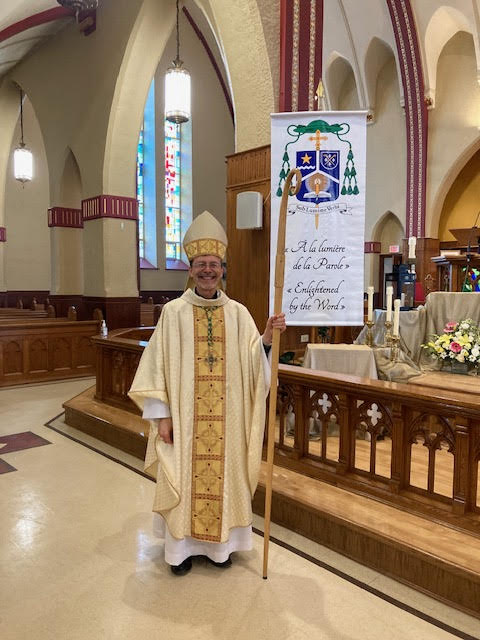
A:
[43, 349]
[146, 314]
[11, 312]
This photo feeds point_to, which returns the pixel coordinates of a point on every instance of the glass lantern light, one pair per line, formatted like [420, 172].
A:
[177, 89]
[22, 156]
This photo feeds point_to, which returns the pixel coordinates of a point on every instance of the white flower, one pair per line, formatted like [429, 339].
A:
[465, 325]
[460, 357]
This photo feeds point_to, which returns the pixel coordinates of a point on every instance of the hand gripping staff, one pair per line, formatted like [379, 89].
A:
[288, 190]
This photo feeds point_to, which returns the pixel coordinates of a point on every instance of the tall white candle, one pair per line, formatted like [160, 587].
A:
[370, 304]
[396, 316]
[412, 243]
[389, 303]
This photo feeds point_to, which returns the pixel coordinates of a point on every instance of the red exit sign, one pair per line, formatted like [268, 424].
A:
[394, 248]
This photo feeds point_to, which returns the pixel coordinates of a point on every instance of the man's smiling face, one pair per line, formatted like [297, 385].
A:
[206, 272]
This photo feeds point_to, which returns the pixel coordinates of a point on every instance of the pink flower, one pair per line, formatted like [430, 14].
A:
[455, 347]
[450, 327]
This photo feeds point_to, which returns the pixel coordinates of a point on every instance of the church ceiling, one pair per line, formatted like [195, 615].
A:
[24, 25]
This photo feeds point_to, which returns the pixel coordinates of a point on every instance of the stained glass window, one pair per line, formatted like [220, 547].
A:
[140, 193]
[146, 186]
[173, 227]
[471, 282]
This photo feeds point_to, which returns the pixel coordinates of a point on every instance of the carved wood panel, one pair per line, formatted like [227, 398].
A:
[38, 350]
[37, 353]
[61, 353]
[12, 357]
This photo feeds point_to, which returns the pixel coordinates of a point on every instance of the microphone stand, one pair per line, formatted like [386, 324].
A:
[469, 255]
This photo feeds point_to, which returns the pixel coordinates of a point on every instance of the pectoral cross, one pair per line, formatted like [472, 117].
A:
[210, 360]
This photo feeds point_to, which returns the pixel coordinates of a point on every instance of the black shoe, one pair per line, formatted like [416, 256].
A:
[183, 568]
[221, 565]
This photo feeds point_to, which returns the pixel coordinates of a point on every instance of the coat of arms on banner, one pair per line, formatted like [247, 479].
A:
[320, 172]
[320, 167]
[324, 228]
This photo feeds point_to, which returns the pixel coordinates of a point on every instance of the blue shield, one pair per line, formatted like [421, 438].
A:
[320, 175]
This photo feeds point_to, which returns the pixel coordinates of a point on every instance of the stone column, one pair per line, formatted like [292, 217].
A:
[111, 259]
[3, 286]
[66, 289]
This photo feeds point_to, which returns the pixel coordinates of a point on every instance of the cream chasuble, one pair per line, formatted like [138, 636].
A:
[205, 360]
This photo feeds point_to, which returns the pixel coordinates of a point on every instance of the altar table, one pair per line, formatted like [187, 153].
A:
[351, 359]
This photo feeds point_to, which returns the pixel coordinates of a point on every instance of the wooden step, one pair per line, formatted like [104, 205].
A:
[432, 557]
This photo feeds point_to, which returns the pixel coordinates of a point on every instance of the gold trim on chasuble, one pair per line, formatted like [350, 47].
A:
[208, 445]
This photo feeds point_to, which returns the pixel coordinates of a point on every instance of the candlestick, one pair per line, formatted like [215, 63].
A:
[394, 350]
[370, 304]
[412, 243]
[389, 303]
[369, 336]
[387, 339]
[396, 317]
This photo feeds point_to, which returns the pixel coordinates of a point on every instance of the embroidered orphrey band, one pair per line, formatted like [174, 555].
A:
[208, 447]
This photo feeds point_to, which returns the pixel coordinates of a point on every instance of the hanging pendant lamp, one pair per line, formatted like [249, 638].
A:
[177, 89]
[22, 156]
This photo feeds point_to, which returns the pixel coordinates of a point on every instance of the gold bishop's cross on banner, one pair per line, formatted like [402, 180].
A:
[317, 138]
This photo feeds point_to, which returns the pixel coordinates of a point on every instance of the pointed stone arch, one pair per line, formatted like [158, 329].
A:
[70, 187]
[458, 208]
[341, 84]
[377, 55]
[238, 27]
[9, 110]
[388, 229]
[443, 25]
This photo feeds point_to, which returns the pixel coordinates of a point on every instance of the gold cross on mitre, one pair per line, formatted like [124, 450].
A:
[317, 138]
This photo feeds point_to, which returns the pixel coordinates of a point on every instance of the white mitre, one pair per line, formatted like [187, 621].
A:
[205, 237]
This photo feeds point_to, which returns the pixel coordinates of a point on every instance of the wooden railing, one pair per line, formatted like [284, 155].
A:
[394, 441]
[416, 448]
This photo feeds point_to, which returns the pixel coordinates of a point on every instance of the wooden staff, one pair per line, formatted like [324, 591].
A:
[277, 308]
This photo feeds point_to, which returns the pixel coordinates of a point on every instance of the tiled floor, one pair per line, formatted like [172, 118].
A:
[80, 560]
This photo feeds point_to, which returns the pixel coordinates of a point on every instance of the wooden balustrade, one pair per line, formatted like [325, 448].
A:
[415, 448]
[397, 442]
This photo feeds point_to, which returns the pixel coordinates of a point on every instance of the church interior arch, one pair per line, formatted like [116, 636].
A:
[443, 25]
[28, 248]
[210, 133]
[341, 84]
[71, 183]
[378, 54]
[388, 231]
[66, 244]
[453, 123]
[386, 168]
[461, 206]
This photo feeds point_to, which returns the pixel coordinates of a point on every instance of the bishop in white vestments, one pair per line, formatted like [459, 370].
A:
[202, 381]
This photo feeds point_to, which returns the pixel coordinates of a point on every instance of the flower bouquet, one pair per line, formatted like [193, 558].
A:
[459, 343]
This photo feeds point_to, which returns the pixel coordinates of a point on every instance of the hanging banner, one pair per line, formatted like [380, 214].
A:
[324, 249]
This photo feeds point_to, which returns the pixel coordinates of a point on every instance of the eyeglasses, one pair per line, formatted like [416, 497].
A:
[211, 265]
